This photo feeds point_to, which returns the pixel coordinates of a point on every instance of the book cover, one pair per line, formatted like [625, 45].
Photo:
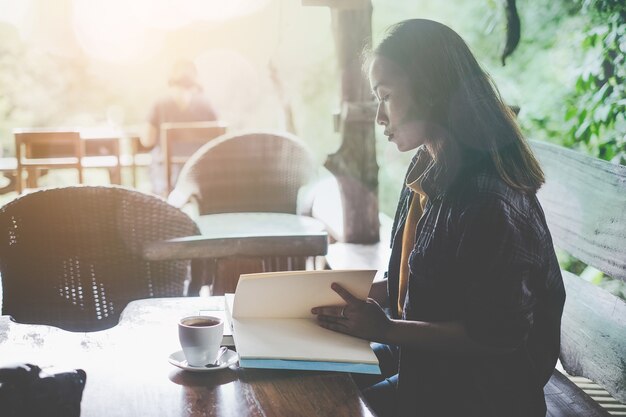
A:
[273, 326]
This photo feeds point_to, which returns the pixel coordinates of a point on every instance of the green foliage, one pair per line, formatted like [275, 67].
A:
[590, 274]
[595, 115]
[596, 108]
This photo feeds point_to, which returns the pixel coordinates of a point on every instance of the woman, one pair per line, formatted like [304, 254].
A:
[473, 284]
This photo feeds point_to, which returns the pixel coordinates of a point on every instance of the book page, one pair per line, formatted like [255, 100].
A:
[298, 339]
[294, 294]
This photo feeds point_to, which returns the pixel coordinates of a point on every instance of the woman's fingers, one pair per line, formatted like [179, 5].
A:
[338, 311]
[332, 323]
[357, 317]
[335, 311]
[343, 293]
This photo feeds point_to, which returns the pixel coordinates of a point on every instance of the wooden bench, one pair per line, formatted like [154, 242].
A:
[585, 204]
[584, 199]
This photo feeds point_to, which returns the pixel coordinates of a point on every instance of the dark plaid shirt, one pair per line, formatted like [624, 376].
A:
[483, 255]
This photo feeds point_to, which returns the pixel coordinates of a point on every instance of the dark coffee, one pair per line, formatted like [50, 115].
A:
[201, 322]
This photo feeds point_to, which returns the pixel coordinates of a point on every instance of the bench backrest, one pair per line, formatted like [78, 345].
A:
[584, 200]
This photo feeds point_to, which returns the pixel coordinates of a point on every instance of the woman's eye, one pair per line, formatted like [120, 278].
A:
[385, 98]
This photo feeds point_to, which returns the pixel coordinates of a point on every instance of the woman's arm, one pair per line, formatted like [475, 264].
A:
[366, 319]
[450, 336]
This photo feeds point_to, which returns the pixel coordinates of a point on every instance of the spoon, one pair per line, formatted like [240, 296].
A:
[216, 363]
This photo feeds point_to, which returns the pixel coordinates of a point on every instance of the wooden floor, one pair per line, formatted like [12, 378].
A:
[564, 399]
[598, 394]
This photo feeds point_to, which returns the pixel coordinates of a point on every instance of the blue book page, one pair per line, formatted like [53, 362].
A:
[358, 368]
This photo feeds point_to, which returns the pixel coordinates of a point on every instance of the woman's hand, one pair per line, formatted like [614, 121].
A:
[364, 319]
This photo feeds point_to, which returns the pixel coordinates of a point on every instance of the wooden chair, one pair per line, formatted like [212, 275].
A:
[102, 150]
[41, 148]
[246, 172]
[140, 156]
[72, 257]
[180, 140]
[38, 149]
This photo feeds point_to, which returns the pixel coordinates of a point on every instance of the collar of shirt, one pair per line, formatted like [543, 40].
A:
[424, 175]
[419, 171]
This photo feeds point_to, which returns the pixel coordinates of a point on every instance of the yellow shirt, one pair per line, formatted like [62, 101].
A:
[416, 209]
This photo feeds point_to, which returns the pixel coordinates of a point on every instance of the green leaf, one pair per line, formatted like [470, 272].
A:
[601, 113]
[582, 131]
[600, 95]
[571, 112]
[591, 274]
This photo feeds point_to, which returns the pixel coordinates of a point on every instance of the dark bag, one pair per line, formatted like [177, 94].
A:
[25, 390]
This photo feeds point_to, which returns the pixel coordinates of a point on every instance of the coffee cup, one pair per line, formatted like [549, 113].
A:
[200, 338]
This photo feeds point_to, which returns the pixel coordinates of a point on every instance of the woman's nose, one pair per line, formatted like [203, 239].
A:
[381, 115]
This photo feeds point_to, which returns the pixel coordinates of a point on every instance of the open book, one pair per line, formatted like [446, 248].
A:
[273, 326]
[227, 337]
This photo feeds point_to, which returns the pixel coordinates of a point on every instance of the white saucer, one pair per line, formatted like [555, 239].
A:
[178, 359]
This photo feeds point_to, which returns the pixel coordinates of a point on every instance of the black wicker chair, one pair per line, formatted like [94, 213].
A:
[72, 257]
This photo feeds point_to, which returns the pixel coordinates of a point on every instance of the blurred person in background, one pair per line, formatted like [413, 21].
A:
[183, 102]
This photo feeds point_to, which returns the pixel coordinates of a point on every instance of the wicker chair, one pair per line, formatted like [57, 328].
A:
[72, 257]
[245, 172]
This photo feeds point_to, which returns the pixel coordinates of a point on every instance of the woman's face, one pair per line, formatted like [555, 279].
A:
[397, 111]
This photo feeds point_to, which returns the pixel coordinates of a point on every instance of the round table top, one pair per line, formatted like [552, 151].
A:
[245, 234]
[257, 224]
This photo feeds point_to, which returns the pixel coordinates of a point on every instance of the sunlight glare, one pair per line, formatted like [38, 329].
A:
[122, 30]
[110, 31]
[222, 10]
[171, 15]
[14, 12]
[233, 83]
[162, 14]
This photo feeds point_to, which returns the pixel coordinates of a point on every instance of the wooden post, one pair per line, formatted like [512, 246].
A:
[354, 164]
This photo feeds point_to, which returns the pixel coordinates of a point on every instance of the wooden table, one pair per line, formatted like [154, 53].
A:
[128, 373]
[246, 234]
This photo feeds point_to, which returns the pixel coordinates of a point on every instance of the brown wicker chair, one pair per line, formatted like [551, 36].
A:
[72, 257]
[245, 172]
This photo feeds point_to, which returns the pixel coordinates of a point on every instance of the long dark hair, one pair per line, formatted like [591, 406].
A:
[464, 102]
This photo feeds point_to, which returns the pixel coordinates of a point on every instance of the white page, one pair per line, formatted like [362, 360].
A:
[293, 294]
[298, 339]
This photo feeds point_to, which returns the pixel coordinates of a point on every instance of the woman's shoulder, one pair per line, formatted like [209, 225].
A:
[487, 188]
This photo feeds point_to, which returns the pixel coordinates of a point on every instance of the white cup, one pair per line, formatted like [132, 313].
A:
[200, 338]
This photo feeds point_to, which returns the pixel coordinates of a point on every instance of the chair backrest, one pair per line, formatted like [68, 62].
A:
[72, 257]
[44, 144]
[180, 140]
[42, 148]
[246, 172]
